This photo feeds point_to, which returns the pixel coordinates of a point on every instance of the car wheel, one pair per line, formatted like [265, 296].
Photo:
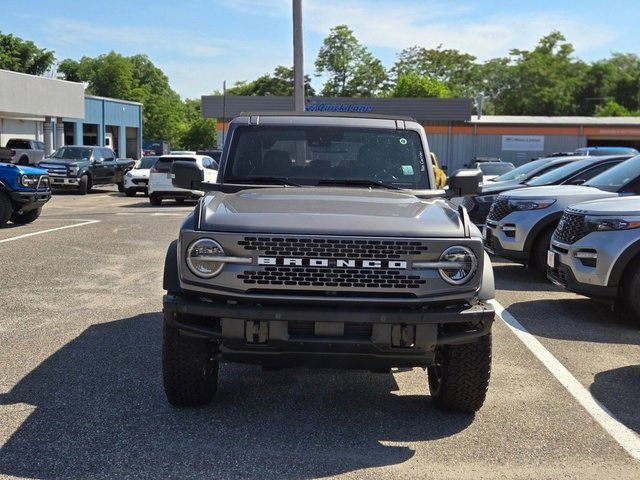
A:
[83, 185]
[26, 217]
[120, 186]
[630, 291]
[155, 199]
[540, 249]
[23, 161]
[180, 201]
[459, 379]
[130, 193]
[189, 369]
[6, 208]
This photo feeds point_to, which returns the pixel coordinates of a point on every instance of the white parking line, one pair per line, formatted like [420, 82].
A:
[626, 437]
[87, 222]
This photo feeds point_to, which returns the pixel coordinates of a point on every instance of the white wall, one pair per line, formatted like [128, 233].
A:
[15, 128]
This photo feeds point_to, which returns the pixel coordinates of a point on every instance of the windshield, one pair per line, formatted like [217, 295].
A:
[146, 163]
[72, 153]
[614, 179]
[558, 174]
[495, 168]
[522, 172]
[312, 155]
[164, 163]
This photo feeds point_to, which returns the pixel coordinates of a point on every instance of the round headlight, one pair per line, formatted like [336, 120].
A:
[463, 265]
[201, 256]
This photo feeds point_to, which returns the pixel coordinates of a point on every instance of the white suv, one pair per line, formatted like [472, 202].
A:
[161, 186]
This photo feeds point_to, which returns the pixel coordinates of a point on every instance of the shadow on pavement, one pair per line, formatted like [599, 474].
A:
[100, 411]
[165, 204]
[515, 277]
[579, 319]
[619, 391]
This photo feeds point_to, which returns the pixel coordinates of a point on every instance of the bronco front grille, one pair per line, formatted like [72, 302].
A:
[571, 228]
[499, 209]
[333, 248]
[331, 277]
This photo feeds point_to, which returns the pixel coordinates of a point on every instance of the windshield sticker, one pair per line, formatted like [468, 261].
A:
[403, 141]
[407, 169]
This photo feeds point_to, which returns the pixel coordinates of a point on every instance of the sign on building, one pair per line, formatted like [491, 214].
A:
[522, 143]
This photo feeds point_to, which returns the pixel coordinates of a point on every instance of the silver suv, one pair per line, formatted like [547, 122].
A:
[520, 223]
[595, 251]
[326, 244]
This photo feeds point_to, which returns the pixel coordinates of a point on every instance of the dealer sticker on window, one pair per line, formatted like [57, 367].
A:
[407, 169]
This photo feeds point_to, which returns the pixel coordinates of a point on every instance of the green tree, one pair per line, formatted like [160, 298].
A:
[415, 85]
[458, 71]
[23, 56]
[543, 81]
[351, 69]
[278, 84]
[199, 133]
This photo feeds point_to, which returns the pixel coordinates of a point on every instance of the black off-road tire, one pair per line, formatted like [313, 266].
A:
[630, 292]
[179, 200]
[540, 249]
[189, 369]
[120, 186]
[84, 185]
[6, 208]
[26, 217]
[23, 161]
[129, 193]
[155, 200]
[459, 380]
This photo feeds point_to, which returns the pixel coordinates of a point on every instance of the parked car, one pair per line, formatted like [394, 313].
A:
[607, 151]
[137, 179]
[521, 222]
[491, 170]
[22, 151]
[23, 192]
[438, 172]
[161, 187]
[83, 167]
[595, 251]
[216, 154]
[475, 161]
[346, 263]
[182, 152]
[478, 206]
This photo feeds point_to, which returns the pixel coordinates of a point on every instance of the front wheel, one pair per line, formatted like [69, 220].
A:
[189, 369]
[630, 290]
[460, 377]
[26, 217]
[83, 185]
[155, 200]
[540, 248]
[6, 208]
[120, 186]
[129, 192]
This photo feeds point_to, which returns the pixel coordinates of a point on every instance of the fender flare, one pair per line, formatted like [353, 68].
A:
[539, 227]
[623, 260]
[171, 278]
[488, 288]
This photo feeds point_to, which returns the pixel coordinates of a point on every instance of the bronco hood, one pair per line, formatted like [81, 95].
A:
[329, 211]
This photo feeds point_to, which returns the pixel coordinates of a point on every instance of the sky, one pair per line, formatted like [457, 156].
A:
[201, 43]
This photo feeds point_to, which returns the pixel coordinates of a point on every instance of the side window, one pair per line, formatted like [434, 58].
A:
[206, 162]
[97, 154]
[592, 172]
[107, 154]
[40, 145]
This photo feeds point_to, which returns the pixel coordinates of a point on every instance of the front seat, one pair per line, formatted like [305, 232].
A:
[275, 163]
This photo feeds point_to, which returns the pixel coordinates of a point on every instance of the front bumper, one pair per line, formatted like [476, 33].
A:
[497, 242]
[136, 184]
[351, 337]
[30, 200]
[57, 182]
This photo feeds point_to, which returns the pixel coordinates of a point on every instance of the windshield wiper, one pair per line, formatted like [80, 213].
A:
[357, 181]
[276, 180]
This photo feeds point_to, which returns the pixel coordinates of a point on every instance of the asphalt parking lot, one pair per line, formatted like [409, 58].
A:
[81, 392]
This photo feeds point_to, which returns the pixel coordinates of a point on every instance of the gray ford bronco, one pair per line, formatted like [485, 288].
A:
[325, 244]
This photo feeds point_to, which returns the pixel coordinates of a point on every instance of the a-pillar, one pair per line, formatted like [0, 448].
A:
[46, 130]
[59, 132]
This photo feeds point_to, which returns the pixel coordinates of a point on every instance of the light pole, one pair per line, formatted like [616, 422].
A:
[298, 58]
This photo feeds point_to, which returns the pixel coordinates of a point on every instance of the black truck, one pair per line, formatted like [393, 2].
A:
[83, 167]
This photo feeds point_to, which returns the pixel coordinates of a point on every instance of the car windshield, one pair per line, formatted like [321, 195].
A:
[558, 174]
[495, 168]
[312, 155]
[607, 151]
[614, 179]
[523, 171]
[146, 163]
[72, 153]
[164, 163]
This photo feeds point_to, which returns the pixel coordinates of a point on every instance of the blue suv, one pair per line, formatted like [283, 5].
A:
[23, 192]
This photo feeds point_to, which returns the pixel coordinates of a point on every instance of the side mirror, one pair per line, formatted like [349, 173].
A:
[187, 175]
[464, 182]
[96, 161]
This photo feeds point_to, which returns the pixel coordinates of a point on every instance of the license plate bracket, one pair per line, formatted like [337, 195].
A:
[552, 259]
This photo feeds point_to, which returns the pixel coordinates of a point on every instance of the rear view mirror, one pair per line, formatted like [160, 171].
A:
[464, 182]
[187, 175]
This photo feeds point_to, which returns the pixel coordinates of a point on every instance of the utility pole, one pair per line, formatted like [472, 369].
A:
[298, 58]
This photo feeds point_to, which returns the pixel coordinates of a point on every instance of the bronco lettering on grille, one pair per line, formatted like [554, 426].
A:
[331, 262]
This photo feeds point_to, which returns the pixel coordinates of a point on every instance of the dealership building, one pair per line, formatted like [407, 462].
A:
[58, 112]
[454, 134]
